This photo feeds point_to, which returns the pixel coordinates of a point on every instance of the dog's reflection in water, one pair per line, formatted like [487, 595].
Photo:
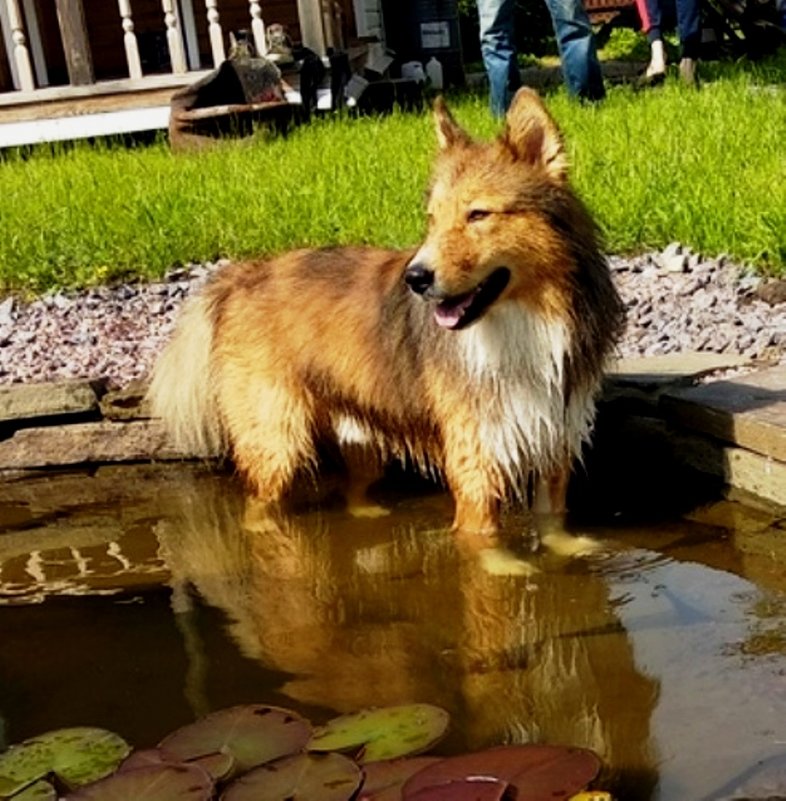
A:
[367, 612]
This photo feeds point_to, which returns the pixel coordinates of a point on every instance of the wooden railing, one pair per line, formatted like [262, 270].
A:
[92, 570]
[320, 25]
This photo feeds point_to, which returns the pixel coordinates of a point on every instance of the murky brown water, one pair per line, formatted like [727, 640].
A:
[138, 598]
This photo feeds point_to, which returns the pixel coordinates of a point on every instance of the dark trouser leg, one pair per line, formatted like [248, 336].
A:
[689, 27]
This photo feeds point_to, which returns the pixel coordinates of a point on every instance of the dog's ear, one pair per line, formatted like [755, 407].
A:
[533, 136]
[449, 132]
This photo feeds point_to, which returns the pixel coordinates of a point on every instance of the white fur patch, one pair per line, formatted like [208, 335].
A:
[518, 359]
[350, 431]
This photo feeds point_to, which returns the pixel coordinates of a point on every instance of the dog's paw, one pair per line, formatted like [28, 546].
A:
[367, 510]
[501, 562]
[569, 545]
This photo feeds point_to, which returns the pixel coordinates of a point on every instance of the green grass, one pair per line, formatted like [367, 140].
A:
[706, 168]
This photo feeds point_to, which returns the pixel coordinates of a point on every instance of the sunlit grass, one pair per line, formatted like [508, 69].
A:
[706, 168]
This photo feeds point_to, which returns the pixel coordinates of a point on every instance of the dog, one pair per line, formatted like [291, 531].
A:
[477, 356]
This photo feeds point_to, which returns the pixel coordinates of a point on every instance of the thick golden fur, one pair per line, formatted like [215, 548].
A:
[278, 356]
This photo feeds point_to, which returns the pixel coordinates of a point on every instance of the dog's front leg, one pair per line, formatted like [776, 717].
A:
[475, 487]
[549, 506]
[551, 492]
[473, 516]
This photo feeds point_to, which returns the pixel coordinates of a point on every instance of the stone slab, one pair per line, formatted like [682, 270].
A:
[755, 475]
[748, 411]
[87, 443]
[671, 368]
[128, 403]
[32, 401]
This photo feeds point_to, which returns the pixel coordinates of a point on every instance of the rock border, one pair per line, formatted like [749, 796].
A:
[732, 429]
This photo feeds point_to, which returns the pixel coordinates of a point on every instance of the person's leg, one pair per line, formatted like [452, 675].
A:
[649, 14]
[689, 29]
[498, 48]
[580, 65]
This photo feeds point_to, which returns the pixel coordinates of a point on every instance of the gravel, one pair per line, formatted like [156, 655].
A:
[676, 301]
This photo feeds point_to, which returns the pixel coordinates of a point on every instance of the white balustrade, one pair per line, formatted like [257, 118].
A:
[258, 27]
[326, 7]
[174, 38]
[129, 40]
[216, 34]
[21, 53]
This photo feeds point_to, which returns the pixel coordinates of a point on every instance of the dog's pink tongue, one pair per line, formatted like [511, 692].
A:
[449, 315]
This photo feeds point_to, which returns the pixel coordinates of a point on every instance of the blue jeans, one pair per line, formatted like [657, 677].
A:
[580, 65]
[688, 25]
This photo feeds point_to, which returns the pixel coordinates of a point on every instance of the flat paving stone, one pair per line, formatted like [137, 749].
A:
[31, 401]
[87, 443]
[670, 368]
[748, 410]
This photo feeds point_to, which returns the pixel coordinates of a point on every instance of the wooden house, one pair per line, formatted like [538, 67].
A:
[91, 67]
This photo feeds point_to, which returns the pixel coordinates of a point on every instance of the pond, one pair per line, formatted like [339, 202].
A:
[137, 598]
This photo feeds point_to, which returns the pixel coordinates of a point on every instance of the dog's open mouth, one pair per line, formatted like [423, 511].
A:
[461, 310]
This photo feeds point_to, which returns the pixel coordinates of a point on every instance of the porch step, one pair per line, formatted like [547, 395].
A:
[83, 126]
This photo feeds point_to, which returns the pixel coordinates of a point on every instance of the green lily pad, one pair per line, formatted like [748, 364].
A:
[538, 772]
[76, 756]
[252, 735]
[9, 786]
[386, 733]
[38, 791]
[303, 777]
[163, 782]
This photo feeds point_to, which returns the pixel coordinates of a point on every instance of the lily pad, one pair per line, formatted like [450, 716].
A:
[76, 756]
[38, 791]
[153, 783]
[386, 733]
[383, 780]
[538, 772]
[219, 766]
[304, 777]
[466, 790]
[252, 735]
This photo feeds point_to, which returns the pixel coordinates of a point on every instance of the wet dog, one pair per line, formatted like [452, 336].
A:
[477, 356]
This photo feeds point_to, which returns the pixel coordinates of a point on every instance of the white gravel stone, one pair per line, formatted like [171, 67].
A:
[117, 332]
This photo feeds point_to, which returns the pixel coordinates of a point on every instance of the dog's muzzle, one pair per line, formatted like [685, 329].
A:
[419, 278]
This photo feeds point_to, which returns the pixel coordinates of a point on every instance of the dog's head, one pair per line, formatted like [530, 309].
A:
[495, 217]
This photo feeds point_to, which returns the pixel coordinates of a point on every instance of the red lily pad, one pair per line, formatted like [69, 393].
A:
[252, 735]
[219, 766]
[386, 733]
[163, 782]
[466, 790]
[538, 772]
[304, 777]
[384, 780]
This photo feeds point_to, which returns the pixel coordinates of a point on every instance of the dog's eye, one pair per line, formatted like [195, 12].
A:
[475, 215]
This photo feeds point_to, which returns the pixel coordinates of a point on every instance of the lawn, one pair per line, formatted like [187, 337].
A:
[707, 168]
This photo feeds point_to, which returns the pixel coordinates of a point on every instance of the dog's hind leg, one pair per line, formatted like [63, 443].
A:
[363, 470]
[271, 431]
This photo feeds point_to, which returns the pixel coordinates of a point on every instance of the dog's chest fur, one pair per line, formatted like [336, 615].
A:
[510, 368]
[526, 413]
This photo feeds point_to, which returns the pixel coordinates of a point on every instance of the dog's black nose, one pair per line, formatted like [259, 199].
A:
[419, 278]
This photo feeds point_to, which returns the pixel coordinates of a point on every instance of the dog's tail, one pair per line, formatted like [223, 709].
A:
[182, 387]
